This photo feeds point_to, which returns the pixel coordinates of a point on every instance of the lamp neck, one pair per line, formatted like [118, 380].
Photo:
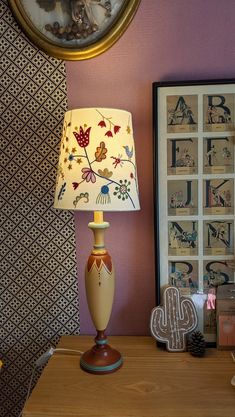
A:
[98, 226]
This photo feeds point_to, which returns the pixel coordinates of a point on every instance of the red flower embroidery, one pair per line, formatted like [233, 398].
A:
[83, 137]
[117, 161]
[116, 129]
[109, 134]
[75, 185]
[112, 128]
[102, 123]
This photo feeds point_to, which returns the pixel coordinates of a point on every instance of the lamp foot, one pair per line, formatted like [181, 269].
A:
[101, 358]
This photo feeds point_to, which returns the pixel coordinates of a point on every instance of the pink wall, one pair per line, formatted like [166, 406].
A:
[167, 40]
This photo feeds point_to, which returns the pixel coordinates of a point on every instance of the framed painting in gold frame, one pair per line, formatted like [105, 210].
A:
[74, 29]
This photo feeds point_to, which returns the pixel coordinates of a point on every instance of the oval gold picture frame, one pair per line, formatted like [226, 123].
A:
[74, 29]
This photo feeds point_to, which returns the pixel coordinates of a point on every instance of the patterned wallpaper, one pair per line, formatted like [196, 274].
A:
[38, 280]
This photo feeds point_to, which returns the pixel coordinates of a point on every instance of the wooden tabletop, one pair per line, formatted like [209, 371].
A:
[151, 383]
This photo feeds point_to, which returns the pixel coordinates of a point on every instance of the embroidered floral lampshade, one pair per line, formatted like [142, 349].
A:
[97, 168]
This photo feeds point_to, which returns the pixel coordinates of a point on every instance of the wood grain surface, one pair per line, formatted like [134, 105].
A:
[151, 383]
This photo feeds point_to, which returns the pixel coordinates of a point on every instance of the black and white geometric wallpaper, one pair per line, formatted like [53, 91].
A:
[38, 279]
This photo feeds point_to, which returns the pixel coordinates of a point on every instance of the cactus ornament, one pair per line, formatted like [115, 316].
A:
[171, 322]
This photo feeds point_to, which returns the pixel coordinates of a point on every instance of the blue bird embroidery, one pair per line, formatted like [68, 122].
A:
[128, 151]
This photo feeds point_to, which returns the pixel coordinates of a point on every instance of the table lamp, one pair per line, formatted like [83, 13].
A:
[97, 171]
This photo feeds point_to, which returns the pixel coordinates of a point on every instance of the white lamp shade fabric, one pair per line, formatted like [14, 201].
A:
[97, 168]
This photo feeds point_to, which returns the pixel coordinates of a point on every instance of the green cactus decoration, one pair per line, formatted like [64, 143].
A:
[171, 322]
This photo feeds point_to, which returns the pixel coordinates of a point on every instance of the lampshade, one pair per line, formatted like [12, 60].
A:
[97, 168]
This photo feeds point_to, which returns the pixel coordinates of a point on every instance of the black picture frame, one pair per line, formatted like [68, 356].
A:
[166, 130]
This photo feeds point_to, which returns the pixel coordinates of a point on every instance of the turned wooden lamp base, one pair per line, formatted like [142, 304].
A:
[101, 358]
[100, 284]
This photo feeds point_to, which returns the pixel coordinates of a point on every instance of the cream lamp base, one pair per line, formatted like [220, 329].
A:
[100, 285]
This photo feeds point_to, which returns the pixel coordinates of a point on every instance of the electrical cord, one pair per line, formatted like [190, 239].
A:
[29, 388]
[41, 361]
[45, 356]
